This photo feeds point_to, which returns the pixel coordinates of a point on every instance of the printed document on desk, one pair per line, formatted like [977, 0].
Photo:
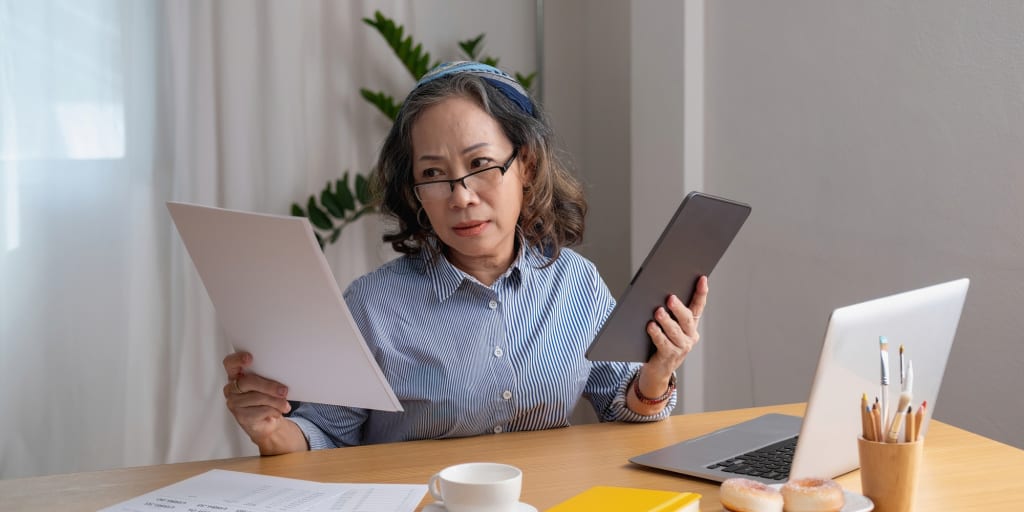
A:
[276, 297]
[247, 492]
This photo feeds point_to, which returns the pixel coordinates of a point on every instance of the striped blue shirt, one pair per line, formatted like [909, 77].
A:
[467, 359]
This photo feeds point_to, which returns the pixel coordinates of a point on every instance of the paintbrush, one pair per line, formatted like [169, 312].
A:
[883, 350]
[893, 435]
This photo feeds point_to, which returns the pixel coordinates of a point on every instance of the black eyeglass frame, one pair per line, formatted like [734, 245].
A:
[462, 181]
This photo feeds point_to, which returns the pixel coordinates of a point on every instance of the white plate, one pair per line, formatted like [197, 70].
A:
[854, 502]
[438, 506]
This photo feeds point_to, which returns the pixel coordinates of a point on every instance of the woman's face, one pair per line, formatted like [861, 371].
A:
[477, 222]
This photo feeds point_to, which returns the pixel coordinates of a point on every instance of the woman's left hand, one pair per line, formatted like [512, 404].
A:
[675, 334]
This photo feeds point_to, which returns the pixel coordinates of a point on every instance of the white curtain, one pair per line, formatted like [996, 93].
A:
[109, 348]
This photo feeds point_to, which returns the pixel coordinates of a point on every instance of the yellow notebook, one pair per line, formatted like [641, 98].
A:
[628, 499]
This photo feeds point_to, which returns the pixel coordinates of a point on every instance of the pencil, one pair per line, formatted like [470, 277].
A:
[883, 352]
[919, 420]
[865, 418]
[876, 422]
[911, 432]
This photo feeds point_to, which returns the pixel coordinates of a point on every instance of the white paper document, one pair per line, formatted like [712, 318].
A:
[276, 297]
[232, 491]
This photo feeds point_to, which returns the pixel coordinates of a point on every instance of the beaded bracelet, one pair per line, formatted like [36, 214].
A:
[653, 401]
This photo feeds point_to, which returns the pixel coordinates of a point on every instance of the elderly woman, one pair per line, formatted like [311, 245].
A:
[481, 325]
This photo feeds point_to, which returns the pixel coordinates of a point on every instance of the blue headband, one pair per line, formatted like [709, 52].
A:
[494, 76]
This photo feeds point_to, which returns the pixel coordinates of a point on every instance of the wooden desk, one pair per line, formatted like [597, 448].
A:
[962, 471]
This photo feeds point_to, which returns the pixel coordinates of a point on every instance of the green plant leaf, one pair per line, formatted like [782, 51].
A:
[336, 196]
[386, 104]
[344, 192]
[319, 240]
[334, 236]
[490, 61]
[471, 47]
[526, 80]
[412, 57]
[297, 210]
[339, 196]
[327, 198]
[317, 216]
[403, 49]
[363, 190]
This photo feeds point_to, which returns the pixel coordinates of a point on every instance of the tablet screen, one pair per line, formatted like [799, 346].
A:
[689, 247]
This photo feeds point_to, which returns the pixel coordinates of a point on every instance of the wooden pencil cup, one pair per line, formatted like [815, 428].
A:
[889, 473]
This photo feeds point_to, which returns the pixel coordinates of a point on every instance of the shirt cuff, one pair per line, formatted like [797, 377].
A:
[619, 411]
[315, 437]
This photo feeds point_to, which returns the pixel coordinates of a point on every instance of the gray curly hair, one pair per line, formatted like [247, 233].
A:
[554, 206]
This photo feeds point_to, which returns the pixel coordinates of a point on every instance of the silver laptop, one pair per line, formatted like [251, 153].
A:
[824, 443]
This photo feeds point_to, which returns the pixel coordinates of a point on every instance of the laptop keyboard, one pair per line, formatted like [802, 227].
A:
[771, 462]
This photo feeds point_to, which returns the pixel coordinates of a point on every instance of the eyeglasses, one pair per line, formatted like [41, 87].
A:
[477, 181]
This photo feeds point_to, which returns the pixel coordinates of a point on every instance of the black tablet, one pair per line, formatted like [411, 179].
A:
[689, 247]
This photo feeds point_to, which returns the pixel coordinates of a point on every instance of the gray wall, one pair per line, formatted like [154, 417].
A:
[881, 145]
[667, 127]
[586, 92]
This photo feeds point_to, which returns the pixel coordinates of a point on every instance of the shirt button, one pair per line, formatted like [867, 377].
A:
[498, 429]
[498, 352]
[507, 395]
[493, 304]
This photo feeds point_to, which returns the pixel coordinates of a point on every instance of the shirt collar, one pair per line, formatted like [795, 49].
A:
[447, 278]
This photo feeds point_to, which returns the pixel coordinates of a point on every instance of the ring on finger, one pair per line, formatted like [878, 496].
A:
[696, 318]
[238, 390]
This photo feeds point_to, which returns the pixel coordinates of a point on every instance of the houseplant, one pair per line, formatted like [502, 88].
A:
[348, 198]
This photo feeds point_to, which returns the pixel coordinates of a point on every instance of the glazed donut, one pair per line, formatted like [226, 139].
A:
[745, 495]
[812, 495]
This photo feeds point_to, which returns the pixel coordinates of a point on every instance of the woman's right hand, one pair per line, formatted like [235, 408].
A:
[259, 406]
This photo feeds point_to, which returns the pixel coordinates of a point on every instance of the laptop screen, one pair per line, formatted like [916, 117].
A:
[924, 321]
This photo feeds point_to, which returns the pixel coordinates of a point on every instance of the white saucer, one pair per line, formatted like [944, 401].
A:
[854, 502]
[438, 506]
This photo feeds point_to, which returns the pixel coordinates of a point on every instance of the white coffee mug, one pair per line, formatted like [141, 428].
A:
[478, 487]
